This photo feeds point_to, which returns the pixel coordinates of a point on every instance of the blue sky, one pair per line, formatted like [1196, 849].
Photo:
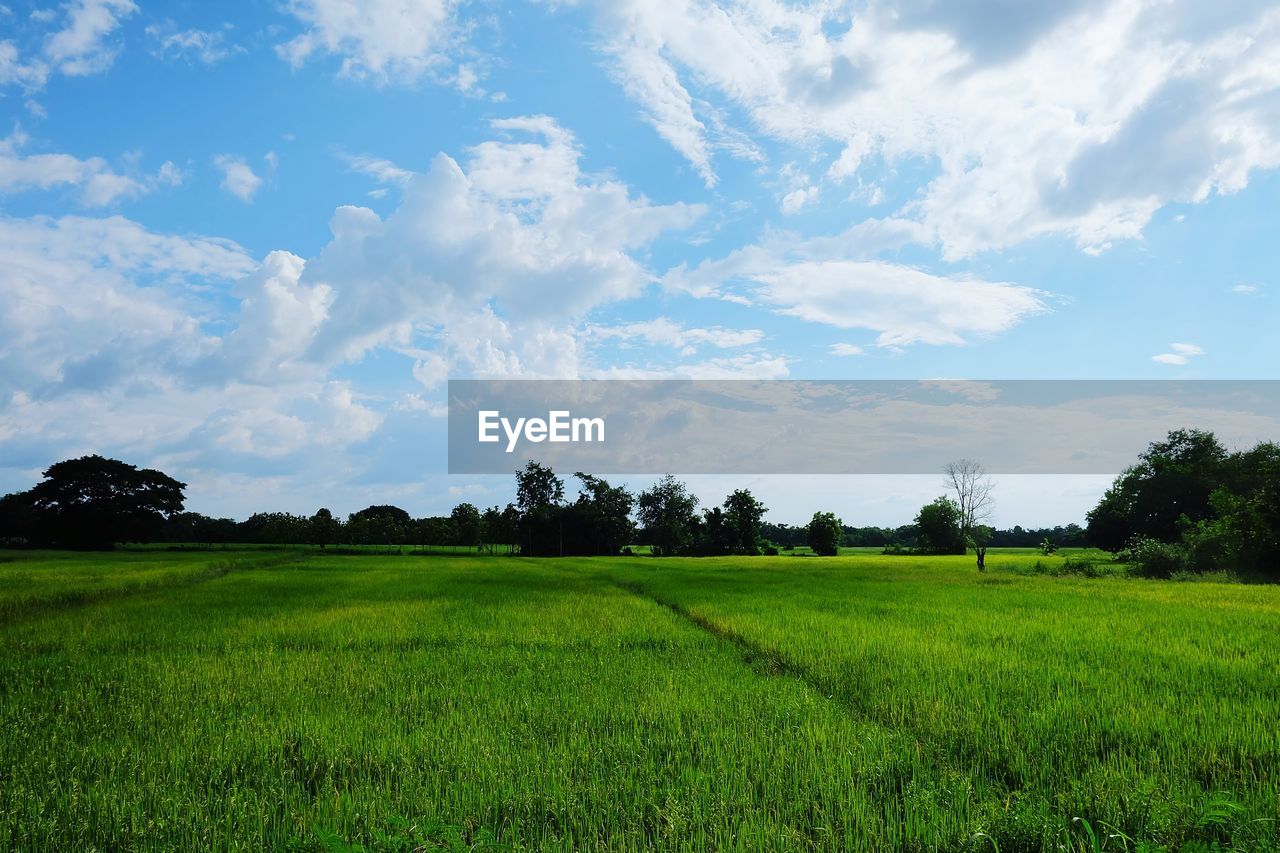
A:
[246, 243]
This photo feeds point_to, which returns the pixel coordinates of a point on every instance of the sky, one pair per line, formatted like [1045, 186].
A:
[248, 243]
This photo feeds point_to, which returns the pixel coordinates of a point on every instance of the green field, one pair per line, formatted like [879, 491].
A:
[291, 700]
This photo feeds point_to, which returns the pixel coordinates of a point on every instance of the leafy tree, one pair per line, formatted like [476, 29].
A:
[538, 487]
[712, 535]
[825, 531]
[436, 530]
[94, 502]
[667, 513]
[540, 497]
[19, 521]
[743, 514]
[324, 528]
[1173, 479]
[467, 525]
[938, 528]
[980, 538]
[275, 528]
[384, 512]
[381, 524]
[599, 521]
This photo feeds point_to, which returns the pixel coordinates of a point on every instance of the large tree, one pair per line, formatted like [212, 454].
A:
[938, 528]
[1168, 489]
[743, 514]
[824, 533]
[667, 511]
[600, 519]
[94, 502]
[467, 525]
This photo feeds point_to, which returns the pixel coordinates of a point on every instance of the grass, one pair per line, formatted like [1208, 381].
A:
[155, 701]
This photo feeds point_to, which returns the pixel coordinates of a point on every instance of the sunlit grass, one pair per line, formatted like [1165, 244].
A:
[858, 702]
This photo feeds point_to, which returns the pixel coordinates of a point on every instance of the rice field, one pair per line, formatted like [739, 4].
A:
[315, 702]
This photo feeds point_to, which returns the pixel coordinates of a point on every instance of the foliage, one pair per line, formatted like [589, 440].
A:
[824, 533]
[938, 529]
[667, 514]
[742, 515]
[1173, 479]
[94, 502]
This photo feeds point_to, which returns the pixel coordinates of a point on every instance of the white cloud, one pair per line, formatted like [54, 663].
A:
[796, 200]
[13, 70]
[382, 171]
[81, 47]
[1246, 289]
[665, 332]
[816, 281]
[380, 40]
[208, 47]
[1078, 119]
[1178, 354]
[237, 177]
[846, 349]
[88, 303]
[98, 184]
[517, 229]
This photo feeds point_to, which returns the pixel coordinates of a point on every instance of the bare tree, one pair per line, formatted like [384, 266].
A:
[968, 481]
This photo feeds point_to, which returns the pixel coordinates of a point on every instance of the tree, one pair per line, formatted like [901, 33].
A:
[743, 514]
[980, 537]
[491, 532]
[968, 480]
[94, 502]
[324, 528]
[538, 487]
[1173, 480]
[540, 497]
[466, 525]
[599, 521]
[938, 528]
[824, 532]
[667, 513]
[381, 524]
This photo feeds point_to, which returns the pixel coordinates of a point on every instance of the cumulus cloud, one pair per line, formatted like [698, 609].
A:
[1078, 119]
[381, 40]
[98, 184]
[82, 46]
[237, 177]
[517, 229]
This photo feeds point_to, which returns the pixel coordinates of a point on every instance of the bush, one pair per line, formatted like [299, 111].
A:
[1151, 558]
[771, 551]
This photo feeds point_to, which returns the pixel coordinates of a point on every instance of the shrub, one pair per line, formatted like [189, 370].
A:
[1151, 558]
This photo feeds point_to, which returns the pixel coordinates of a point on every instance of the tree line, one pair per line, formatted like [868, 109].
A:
[1187, 505]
